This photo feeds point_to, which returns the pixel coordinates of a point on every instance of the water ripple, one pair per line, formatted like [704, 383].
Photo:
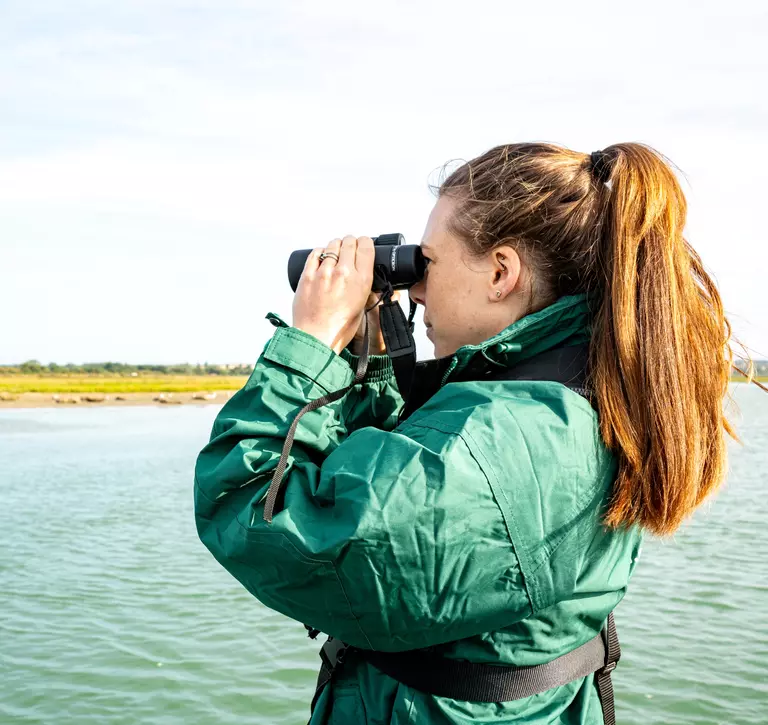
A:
[113, 612]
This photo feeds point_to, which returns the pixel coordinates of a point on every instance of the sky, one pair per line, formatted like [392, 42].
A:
[159, 160]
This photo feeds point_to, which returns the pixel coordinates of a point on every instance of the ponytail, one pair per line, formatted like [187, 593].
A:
[660, 356]
[610, 224]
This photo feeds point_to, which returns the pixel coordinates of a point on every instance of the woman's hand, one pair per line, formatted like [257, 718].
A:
[377, 346]
[331, 297]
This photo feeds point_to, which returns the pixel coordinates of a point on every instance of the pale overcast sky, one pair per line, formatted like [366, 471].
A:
[159, 160]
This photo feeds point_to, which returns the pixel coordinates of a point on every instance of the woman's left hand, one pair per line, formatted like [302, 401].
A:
[330, 300]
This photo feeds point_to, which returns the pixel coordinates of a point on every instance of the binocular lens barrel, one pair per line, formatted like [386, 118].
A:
[402, 264]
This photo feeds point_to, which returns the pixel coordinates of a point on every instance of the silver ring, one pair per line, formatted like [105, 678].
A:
[328, 254]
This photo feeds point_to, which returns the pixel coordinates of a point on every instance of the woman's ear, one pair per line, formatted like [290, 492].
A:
[505, 265]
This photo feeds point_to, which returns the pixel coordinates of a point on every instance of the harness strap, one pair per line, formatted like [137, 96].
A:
[566, 365]
[479, 682]
[603, 676]
[427, 671]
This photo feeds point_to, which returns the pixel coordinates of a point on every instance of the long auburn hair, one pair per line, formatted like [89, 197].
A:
[611, 224]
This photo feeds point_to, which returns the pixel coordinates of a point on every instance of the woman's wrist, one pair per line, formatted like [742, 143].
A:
[375, 348]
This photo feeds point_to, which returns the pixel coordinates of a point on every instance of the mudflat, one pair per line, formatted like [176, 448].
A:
[50, 400]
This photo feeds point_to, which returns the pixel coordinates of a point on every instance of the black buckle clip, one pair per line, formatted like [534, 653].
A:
[608, 668]
[341, 656]
[333, 653]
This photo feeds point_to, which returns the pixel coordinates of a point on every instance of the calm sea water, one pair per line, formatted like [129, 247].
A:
[111, 611]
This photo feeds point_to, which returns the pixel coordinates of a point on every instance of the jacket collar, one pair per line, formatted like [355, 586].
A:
[565, 322]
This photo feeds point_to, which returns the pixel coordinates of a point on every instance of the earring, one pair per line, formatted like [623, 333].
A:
[498, 293]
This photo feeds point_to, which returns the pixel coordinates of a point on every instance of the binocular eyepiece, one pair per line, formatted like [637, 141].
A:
[401, 264]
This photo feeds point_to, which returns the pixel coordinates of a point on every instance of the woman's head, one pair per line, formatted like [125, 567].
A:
[524, 224]
[467, 297]
[508, 236]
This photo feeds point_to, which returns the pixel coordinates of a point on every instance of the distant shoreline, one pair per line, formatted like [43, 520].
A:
[120, 400]
[124, 400]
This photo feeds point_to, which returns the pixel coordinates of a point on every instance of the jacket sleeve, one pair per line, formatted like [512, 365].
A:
[387, 539]
[377, 400]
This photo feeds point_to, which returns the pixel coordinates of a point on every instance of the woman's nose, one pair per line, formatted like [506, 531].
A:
[416, 292]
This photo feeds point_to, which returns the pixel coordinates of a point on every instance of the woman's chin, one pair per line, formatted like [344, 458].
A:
[431, 337]
[435, 344]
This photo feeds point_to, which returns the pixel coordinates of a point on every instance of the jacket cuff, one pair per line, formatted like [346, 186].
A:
[379, 366]
[300, 351]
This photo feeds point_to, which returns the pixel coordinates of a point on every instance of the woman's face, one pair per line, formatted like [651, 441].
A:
[459, 292]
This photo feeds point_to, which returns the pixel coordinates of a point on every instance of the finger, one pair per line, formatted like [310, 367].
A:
[313, 261]
[373, 298]
[365, 255]
[372, 302]
[333, 247]
[326, 266]
[347, 253]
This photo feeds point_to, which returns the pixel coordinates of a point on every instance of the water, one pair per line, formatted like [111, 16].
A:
[111, 611]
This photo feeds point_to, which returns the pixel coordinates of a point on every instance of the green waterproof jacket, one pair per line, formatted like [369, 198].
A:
[473, 525]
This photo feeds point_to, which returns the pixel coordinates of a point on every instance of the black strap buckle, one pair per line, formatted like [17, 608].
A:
[612, 647]
[333, 653]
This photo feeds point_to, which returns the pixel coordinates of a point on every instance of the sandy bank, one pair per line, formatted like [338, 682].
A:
[86, 400]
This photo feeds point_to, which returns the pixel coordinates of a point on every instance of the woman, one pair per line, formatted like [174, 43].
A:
[500, 521]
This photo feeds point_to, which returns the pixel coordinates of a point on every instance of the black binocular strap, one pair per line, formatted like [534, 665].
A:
[277, 478]
[401, 348]
[398, 336]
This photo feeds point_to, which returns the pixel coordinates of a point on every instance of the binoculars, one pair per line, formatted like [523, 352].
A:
[400, 264]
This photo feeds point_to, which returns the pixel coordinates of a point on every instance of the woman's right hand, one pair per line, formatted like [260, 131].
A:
[377, 346]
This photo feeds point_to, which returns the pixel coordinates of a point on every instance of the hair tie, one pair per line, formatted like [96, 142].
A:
[600, 166]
